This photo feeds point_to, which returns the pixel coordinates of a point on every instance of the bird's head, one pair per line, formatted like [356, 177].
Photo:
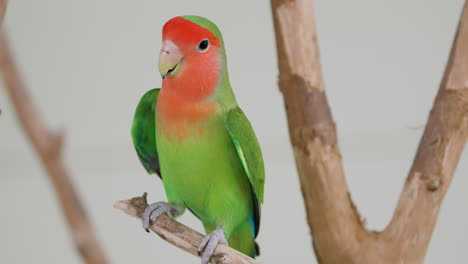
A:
[192, 53]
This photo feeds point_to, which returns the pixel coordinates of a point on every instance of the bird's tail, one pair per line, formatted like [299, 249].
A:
[242, 239]
[257, 249]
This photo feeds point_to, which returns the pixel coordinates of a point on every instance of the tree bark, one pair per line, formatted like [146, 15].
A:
[180, 235]
[339, 236]
[49, 147]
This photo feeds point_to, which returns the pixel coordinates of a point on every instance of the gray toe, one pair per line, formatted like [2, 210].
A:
[152, 212]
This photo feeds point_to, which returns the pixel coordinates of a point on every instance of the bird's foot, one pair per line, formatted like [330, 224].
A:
[154, 210]
[209, 244]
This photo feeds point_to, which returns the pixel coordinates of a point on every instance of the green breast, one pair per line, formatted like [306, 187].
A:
[203, 171]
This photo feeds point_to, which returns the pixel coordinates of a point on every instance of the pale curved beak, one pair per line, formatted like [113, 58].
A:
[170, 59]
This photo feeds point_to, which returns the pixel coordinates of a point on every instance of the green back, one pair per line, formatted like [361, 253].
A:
[144, 132]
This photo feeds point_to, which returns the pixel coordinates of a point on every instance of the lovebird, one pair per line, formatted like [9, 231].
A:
[192, 133]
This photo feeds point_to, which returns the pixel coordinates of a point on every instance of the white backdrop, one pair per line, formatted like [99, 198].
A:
[88, 62]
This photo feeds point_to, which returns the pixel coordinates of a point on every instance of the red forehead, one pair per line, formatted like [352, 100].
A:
[183, 31]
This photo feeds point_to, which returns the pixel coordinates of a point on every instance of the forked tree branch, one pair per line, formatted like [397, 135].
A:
[338, 234]
[180, 235]
[49, 147]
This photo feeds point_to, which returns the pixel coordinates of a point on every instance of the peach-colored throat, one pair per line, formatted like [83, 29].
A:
[177, 116]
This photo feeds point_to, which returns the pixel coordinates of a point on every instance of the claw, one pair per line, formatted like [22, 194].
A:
[209, 244]
[154, 210]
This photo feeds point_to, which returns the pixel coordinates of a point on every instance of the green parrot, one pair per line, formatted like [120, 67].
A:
[195, 137]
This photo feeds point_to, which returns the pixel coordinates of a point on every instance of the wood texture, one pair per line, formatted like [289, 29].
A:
[49, 147]
[181, 236]
[339, 236]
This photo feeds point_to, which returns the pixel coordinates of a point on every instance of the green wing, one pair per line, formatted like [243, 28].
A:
[250, 155]
[143, 131]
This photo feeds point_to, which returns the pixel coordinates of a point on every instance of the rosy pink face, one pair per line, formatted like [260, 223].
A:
[189, 61]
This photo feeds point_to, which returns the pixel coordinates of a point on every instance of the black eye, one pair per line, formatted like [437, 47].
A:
[203, 45]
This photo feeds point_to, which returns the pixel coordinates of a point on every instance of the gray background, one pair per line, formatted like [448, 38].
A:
[88, 62]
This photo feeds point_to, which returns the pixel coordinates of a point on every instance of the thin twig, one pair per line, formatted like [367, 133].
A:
[48, 145]
[339, 235]
[180, 235]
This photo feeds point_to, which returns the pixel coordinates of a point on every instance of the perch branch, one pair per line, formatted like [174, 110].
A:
[180, 235]
[339, 235]
[48, 145]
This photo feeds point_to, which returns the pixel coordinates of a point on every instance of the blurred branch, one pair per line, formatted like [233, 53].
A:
[49, 145]
[338, 233]
[3, 7]
[180, 235]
